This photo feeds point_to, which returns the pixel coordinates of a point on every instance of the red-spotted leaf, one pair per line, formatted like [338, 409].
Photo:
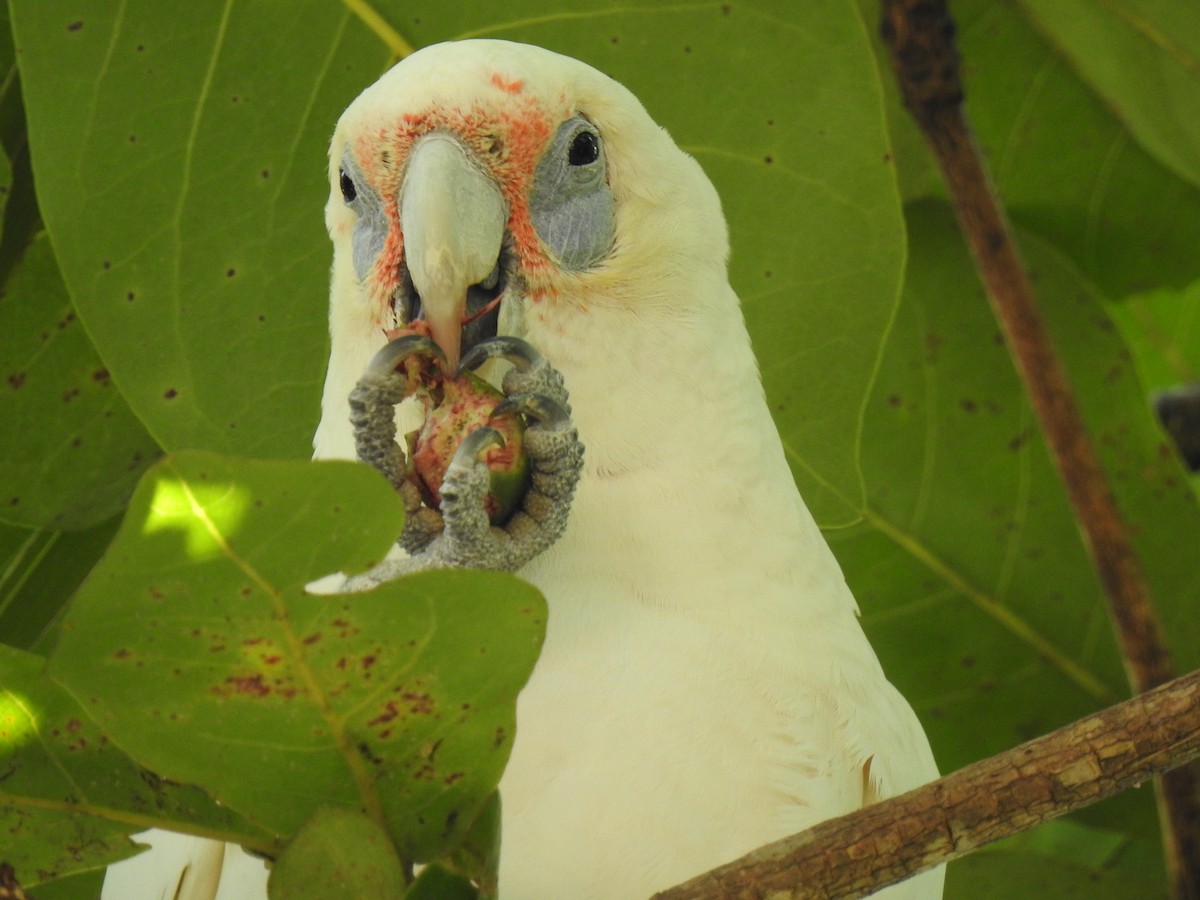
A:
[73, 449]
[196, 647]
[68, 797]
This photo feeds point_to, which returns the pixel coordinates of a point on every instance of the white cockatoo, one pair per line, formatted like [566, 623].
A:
[705, 686]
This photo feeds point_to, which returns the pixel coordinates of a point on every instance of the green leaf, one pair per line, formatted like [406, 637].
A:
[1068, 840]
[74, 450]
[478, 859]
[971, 538]
[188, 221]
[201, 353]
[77, 887]
[338, 853]
[6, 180]
[39, 570]
[12, 128]
[68, 796]
[21, 220]
[1065, 167]
[979, 555]
[1143, 58]
[1002, 875]
[196, 647]
[1162, 329]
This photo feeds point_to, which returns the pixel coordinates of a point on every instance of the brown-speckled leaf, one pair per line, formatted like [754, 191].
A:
[73, 450]
[196, 647]
[68, 797]
[179, 154]
[979, 556]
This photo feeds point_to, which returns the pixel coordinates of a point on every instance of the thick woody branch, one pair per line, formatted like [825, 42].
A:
[920, 38]
[852, 856]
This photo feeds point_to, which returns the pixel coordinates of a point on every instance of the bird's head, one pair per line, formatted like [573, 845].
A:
[479, 185]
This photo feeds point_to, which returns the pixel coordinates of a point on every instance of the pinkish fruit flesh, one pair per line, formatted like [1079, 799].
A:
[454, 407]
[466, 404]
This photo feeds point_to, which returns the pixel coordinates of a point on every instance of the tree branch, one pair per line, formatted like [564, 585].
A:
[920, 37]
[1083, 763]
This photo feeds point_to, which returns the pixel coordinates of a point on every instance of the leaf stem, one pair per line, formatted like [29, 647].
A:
[24, 562]
[992, 606]
[379, 25]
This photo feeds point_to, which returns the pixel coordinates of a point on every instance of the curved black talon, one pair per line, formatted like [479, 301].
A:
[521, 354]
[396, 351]
[478, 441]
[545, 411]
[531, 373]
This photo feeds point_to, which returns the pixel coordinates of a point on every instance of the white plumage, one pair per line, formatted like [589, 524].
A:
[705, 686]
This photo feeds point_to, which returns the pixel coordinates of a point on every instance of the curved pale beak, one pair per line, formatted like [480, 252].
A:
[453, 218]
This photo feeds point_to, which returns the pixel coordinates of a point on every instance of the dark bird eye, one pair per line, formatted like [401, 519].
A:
[349, 191]
[585, 149]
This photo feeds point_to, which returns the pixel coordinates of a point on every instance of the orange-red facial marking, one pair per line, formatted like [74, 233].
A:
[508, 139]
[509, 87]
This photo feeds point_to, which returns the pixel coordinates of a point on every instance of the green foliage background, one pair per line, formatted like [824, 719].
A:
[164, 265]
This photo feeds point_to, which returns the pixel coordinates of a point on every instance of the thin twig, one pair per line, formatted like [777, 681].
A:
[920, 37]
[1083, 763]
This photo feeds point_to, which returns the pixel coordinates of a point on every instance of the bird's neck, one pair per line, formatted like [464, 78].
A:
[658, 387]
[679, 443]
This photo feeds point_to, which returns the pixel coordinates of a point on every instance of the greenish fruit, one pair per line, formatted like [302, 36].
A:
[338, 853]
[457, 406]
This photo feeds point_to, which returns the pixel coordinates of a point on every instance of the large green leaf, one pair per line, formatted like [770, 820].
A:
[195, 646]
[1065, 166]
[68, 795]
[205, 294]
[182, 184]
[966, 542]
[1143, 58]
[980, 555]
[74, 449]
